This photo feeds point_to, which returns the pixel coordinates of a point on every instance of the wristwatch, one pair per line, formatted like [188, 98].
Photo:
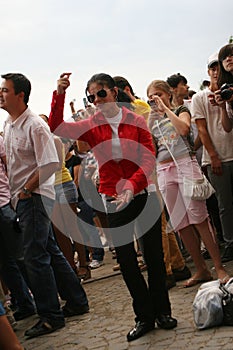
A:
[26, 191]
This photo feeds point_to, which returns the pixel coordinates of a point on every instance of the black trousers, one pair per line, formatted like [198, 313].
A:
[150, 298]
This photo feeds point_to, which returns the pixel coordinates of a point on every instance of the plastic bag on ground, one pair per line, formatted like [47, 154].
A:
[207, 305]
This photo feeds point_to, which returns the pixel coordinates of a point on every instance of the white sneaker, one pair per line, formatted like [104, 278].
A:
[95, 264]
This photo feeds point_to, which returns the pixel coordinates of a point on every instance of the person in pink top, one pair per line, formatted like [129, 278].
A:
[123, 147]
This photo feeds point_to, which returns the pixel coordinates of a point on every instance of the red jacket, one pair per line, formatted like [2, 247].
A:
[138, 155]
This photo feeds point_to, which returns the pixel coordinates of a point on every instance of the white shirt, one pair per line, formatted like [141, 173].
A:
[201, 108]
[29, 145]
[4, 182]
[116, 145]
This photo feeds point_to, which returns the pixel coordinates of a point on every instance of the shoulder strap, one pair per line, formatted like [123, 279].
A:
[168, 148]
[189, 139]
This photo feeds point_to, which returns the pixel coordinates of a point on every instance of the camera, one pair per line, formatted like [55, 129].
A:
[152, 103]
[226, 91]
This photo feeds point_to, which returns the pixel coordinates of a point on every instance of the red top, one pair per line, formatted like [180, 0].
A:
[138, 155]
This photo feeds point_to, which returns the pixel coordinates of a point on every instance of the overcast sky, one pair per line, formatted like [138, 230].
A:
[141, 40]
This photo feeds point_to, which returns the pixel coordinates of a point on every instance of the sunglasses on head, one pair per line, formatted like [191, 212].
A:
[101, 93]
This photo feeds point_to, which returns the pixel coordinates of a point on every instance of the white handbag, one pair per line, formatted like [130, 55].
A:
[198, 189]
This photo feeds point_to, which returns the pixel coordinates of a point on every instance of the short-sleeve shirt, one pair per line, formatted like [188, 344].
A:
[141, 108]
[165, 134]
[4, 182]
[29, 145]
[72, 162]
[201, 108]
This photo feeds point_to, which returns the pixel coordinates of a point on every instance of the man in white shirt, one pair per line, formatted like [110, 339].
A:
[217, 152]
[31, 161]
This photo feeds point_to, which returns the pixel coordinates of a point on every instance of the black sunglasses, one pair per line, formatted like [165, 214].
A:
[101, 93]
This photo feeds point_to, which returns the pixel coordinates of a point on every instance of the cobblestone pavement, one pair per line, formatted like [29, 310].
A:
[111, 317]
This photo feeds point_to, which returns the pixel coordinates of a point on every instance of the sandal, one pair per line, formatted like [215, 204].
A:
[194, 281]
[85, 273]
[225, 279]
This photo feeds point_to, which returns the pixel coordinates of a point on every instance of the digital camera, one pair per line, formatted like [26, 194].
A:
[226, 91]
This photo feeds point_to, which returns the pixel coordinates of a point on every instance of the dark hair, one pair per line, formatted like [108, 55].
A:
[44, 115]
[121, 83]
[123, 99]
[224, 76]
[175, 79]
[205, 83]
[191, 93]
[21, 84]
[102, 79]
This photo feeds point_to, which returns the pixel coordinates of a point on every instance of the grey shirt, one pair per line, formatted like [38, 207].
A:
[176, 143]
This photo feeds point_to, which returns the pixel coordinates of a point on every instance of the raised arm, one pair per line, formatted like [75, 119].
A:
[181, 123]
[58, 101]
[56, 122]
[227, 121]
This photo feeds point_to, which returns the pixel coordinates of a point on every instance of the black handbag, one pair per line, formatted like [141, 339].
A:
[227, 306]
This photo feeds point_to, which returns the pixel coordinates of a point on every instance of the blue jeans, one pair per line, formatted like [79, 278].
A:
[10, 233]
[47, 269]
[2, 310]
[14, 279]
[89, 231]
[11, 246]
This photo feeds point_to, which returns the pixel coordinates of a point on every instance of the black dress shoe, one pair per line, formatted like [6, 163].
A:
[170, 281]
[139, 330]
[228, 254]
[69, 310]
[22, 314]
[166, 322]
[43, 327]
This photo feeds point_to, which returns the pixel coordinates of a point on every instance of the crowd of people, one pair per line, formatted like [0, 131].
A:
[117, 169]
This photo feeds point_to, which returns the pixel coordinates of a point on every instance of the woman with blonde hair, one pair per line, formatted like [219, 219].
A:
[171, 130]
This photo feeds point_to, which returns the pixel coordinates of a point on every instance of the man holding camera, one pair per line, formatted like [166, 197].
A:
[217, 151]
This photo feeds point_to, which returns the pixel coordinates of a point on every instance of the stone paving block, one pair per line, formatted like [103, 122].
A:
[111, 317]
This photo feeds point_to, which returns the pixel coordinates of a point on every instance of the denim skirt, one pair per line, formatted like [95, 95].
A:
[2, 310]
[66, 192]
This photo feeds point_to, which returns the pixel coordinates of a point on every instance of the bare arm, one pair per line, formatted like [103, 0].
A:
[216, 163]
[197, 143]
[76, 170]
[181, 123]
[59, 147]
[4, 162]
[227, 122]
[40, 176]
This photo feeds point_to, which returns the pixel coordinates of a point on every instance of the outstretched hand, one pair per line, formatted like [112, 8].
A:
[63, 83]
[123, 199]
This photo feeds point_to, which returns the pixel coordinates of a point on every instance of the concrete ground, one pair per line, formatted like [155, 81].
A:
[111, 317]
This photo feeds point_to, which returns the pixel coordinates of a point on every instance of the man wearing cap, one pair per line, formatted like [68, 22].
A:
[217, 152]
